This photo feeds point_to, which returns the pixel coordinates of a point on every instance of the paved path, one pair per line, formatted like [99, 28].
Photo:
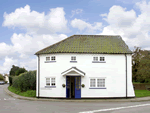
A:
[14, 105]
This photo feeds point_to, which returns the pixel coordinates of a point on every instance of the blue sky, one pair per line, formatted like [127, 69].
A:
[30, 25]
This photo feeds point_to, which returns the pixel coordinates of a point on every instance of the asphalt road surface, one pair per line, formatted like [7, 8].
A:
[9, 104]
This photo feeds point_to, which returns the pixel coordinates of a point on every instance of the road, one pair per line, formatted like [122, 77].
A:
[9, 104]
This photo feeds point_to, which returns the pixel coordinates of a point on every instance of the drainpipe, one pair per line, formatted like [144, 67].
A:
[38, 74]
[126, 74]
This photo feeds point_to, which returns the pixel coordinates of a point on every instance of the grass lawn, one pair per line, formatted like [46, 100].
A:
[142, 93]
[29, 93]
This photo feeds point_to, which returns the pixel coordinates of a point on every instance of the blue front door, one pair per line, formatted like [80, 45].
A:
[67, 87]
[78, 87]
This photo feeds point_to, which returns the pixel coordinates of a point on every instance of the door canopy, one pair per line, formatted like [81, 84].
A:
[73, 72]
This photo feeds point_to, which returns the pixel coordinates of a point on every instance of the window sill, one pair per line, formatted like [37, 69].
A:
[50, 86]
[49, 61]
[97, 88]
[98, 61]
[73, 61]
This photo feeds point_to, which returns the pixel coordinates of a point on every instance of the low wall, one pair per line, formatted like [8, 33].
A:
[141, 86]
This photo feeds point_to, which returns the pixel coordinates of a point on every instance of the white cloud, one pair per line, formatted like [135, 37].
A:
[26, 45]
[42, 31]
[119, 17]
[134, 29]
[6, 50]
[5, 68]
[77, 11]
[23, 48]
[29, 64]
[35, 22]
[82, 25]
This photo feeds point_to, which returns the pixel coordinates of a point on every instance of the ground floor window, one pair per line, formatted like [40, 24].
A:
[97, 82]
[50, 81]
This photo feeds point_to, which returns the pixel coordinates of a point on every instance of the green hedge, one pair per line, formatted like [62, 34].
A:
[10, 80]
[25, 81]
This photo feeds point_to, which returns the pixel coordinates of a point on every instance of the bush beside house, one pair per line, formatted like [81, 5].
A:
[24, 84]
[25, 81]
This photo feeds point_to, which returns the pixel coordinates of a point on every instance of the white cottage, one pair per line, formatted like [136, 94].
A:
[85, 66]
[6, 77]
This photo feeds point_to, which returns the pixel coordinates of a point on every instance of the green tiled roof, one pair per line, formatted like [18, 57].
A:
[88, 44]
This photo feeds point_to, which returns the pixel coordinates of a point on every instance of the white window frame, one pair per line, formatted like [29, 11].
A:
[96, 82]
[102, 81]
[50, 81]
[102, 58]
[47, 59]
[73, 58]
[53, 57]
[95, 58]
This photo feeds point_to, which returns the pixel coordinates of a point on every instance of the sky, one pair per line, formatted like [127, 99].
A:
[28, 26]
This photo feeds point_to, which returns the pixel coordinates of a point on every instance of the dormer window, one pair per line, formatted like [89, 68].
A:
[73, 58]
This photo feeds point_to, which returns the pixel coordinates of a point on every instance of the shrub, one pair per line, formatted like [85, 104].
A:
[20, 70]
[25, 81]
[10, 80]
[13, 70]
[15, 81]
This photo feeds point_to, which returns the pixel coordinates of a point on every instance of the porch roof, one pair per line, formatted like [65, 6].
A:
[73, 69]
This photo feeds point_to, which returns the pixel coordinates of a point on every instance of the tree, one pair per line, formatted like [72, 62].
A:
[1, 77]
[13, 70]
[20, 70]
[144, 67]
[136, 57]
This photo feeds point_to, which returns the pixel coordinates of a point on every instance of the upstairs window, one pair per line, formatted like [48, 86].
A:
[50, 59]
[102, 59]
[53, 58]
[47, 58]
[98, 60]
[73, 58]
[48, 81]
[52, 81]
[95, 58]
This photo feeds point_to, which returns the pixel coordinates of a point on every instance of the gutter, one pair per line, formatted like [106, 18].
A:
[38, 74]
[126, 74]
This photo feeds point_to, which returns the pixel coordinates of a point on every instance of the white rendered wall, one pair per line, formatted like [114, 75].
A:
[7, 79]
[114, 70]
[37, 79]
[130, 91]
